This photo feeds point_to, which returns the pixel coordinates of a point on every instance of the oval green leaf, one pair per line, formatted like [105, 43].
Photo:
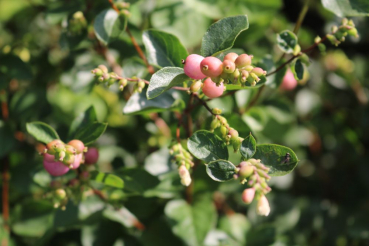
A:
[91, 132]
[221, 35]
[248, 147]
[344, 8]
[109, 25]
[274, 157]
[163, 49]
[42, 132]
[287, 41]
[207, 146]
[298, 70]
[221, 170]
[87, 117]
[107, 179]
[164, 79]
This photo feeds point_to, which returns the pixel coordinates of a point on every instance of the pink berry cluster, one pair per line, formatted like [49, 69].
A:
[59, 157]
[184, 161]
[235, 69]
[254, 173]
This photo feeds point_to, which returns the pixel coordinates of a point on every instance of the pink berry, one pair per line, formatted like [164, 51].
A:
[55, 168]
[248, 195]
[211, 90]
[77, 161]
[230, 57]
[192, 66]
[211, 66]
[243, 61]
[229, 66]
[289, 82]
[258, 71]
[54, 145]
[91, 156]
[78, 145]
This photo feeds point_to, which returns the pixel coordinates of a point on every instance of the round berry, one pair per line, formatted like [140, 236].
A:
[77, 161]
[211, 66]
[230, 57]
[78, 145]
[243, 60]
[248, 195]
[258, 71]
[211, 90]
[54, 145]
[289, 82]
[229, 66]
[55, 168]
[91, 156]
[192, 66]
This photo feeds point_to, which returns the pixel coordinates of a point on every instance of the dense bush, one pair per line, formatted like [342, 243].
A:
[184, 122]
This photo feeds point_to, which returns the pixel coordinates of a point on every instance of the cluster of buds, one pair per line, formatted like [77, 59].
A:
[229, 134]
[109, 78]
[338, 34]
[123, 8]
[184, 161]
[59, 157]
[60, 198]
[77, 23]
[254, 173]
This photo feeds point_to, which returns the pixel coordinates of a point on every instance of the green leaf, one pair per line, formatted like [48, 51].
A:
[207, 146]
[138, 180]
[248, 147]
[236, 225]
[221, 35]
[191, 223]
[164, 79]
[85, 118]
[107, 179]
[344, 8]
[42, 132]
[138, 103]
[14, 68]
[91, 132]
[109, 25]
[221, 170]
[298, 70]
[287, 41]
[274, 156]
[163, 49]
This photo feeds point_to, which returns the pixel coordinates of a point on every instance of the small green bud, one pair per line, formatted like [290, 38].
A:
[141, 84]
[223, 131]
[317, 39]
[111, 81]
[103, 68]
[97, 72]
[101, 79]
[334, 29]
[236, 74]
[296, 50]
[196, 86]
[214, 124]
[246, 171]
[222, 120]
[216, 111]
[249, 68]
[60, 194]
[236, 142]
[353, 32]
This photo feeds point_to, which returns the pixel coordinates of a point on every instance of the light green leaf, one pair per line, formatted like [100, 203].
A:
[91, 132]
[85, 118]
[221, 170]
[275, 157]
[107, 179]
[221, 35]
[191, 222]
[344, 8]
[248, 147]
[139, 104]
[42, 132]
[163, 49]
[164, 79]
[287, 41]
[207, 146]
[109, 25]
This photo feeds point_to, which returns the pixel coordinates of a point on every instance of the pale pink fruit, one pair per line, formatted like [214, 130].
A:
[211, 66]
[77, 161]
[91, 156]
[192, 67]
[243, 60]
[230, 57]
[263, 207]
[211, 90]
[248, 195]
[55, 168]
[78, 145]
[289, 82]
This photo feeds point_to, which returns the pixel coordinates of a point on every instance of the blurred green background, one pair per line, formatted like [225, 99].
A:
[45, 76]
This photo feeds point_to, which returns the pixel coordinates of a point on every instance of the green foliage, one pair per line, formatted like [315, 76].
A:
[248, 147]
[42, 132]
[287, 41]
[92, 131]
[109, 25]
[107, 179]
[221, 35]
[344, 8]
[298, 69]
[221, 170]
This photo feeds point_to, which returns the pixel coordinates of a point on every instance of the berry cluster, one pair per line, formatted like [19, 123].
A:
[229, 134]
[184, 161]
[255, 174]
[235, 69]
[59, 157]
[109, 78]
[339, 33]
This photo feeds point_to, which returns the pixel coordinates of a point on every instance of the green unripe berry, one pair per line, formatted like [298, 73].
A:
[246, 171]
[97, 72]
[216, 111]
[60, 194]
[228, 66]
[141, 84]
[223, 131]
[353, 32]
[196, 86]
